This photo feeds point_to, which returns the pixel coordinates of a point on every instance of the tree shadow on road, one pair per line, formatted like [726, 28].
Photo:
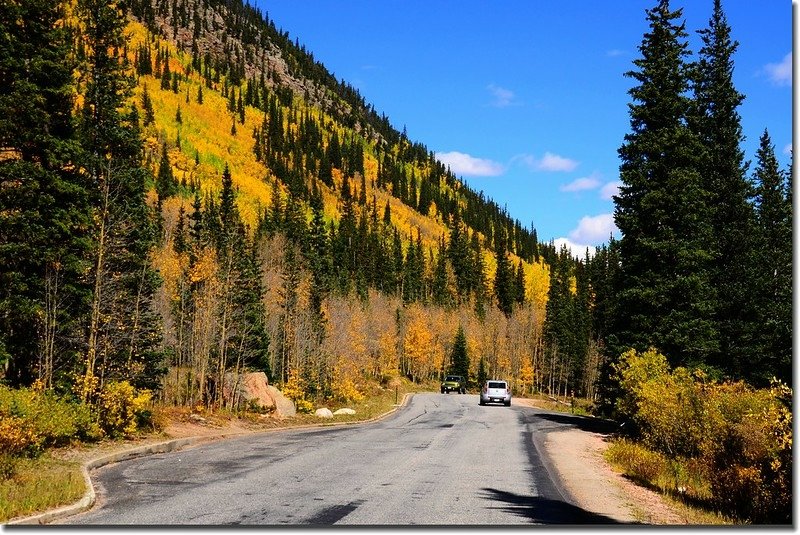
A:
[543, 510]
[584, 423]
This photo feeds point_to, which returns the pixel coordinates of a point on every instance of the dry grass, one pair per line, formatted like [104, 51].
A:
[38, 485]
[681, 483]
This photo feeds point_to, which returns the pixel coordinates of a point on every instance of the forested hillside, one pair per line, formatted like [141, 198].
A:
[186, 194]
[190, 193]
[260, 216]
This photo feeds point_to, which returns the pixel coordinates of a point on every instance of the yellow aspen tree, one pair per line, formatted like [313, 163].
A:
[417, 343]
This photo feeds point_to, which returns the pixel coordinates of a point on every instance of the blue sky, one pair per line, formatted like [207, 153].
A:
[526, 99]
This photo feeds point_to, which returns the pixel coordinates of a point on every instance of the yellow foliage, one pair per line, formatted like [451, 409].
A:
[418, 343]
[16, 436]
[742, 436]
[205, 267]
[344, 389]
[526, 377]
[295, 390]
[537, 282]
[121, 407]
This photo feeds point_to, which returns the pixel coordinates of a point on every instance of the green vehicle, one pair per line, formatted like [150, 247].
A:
[454, 383]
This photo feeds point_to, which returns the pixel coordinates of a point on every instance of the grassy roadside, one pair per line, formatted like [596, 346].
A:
[682, 485]
[38, 485]
[54, 479]
[643, 469]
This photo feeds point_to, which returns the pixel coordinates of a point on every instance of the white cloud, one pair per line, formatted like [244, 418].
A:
[608, 191]
[787, 150]
[583, 183]
[594, 229]
[464, 164]
[502, 97]
[548, 162]
[780, 73]
[554, 162]
[575, 249]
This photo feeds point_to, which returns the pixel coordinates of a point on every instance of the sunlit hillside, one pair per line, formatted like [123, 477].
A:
[202, 143]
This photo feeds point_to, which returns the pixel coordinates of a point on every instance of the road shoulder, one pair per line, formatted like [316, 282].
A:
[577, 456]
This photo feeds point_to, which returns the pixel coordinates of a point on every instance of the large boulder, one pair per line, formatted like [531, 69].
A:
[284, 406]
[248, 390]
[323, 413]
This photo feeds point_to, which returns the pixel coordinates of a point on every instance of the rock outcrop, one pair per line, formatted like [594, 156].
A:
[252, 390]
[284, 407]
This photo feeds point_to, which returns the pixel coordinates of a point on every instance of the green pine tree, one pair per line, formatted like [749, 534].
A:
[718, 125]
[773, 289]
[166, 185]
[666, 299]
[123, 332]
[45, 210]
[504, 280]
[459, 357]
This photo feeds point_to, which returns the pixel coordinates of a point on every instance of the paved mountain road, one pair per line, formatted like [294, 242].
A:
[441, 460]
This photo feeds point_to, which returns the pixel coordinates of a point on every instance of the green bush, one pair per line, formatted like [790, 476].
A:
[753, 463]
[638, 462]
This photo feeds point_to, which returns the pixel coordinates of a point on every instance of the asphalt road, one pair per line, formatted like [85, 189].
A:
[441, 460]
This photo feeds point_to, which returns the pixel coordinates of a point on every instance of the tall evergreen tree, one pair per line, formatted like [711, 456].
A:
[773, 289]
[123, 335]
[559, 325]
[459, 357]
[285, 350]
[722, 167]
[504, 279]
[147, 107]
[667, 298]
[44, 201]
[320, 265]
[166, 185]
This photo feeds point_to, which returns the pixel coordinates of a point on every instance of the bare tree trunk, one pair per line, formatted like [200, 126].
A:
[97, 294]
[132, 348]
[48, 343]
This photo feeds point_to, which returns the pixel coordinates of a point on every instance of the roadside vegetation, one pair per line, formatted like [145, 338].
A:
[725, 447]
[212, 221]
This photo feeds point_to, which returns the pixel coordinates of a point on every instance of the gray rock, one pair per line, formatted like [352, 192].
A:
[323, 413]
[343, 411]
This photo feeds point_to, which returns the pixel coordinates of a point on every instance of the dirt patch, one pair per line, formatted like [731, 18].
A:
[578, 457]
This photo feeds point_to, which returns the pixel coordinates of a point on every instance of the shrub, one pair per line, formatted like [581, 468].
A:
[737, 440]
[17, 437]
[345, 391]
[122, 410]
[638, 462]
[51, 420]
[753, 464]
[294, 389]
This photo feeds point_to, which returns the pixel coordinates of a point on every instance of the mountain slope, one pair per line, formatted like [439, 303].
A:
[229, 90]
